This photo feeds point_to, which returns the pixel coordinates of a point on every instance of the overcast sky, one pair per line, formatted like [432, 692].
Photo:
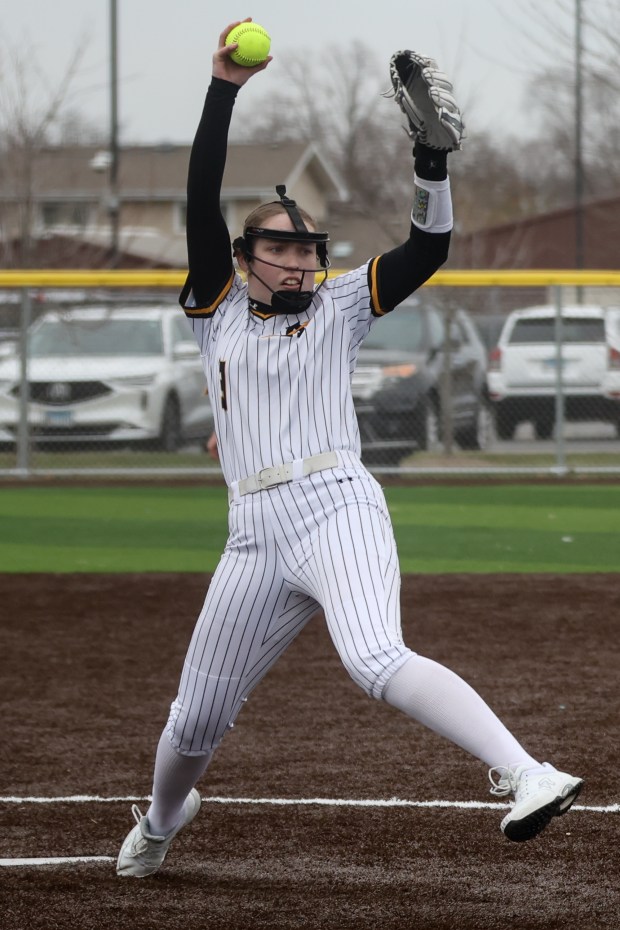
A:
[165, 51]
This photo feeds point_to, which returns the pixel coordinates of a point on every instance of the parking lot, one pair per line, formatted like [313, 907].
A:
[101, 402]
[593, 437]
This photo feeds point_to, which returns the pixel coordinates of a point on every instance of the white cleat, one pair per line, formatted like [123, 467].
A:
[540, 794]
[142, 853]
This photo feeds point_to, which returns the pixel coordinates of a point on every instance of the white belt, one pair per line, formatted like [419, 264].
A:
[280, 474]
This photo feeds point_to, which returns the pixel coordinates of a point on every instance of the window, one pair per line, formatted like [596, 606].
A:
[181, 330]
[180, 217]
[401, 329]
[437, 330]
[574, 329]
[63, 213]
[79, 338]
[458, 334]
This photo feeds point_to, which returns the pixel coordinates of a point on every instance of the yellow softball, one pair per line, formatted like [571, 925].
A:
[253, 44]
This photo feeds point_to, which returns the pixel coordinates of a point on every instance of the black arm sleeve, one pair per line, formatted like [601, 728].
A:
[404, 269]
[208, 240]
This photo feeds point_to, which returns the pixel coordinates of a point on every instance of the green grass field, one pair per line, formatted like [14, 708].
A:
[492, 528]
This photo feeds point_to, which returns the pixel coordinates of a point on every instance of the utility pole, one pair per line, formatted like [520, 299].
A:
[114, 199]
[579, 232]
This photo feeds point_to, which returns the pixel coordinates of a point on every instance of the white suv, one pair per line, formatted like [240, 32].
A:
[522, 374]
[108, 375]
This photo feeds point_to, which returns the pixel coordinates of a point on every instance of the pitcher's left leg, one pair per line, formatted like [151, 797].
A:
[354, 563]
[438, 698]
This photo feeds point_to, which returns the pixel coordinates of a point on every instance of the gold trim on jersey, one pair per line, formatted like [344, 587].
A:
[262, 315]
[373, 285]
[210, 310]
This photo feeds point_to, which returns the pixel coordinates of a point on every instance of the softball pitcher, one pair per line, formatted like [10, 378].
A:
[308, 525]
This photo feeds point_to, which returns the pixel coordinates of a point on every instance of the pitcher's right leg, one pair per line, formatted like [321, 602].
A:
[249, 618]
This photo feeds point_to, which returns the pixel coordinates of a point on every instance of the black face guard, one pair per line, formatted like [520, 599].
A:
[286, 301]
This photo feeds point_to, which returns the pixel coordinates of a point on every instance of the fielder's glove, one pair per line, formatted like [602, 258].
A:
[424, 94]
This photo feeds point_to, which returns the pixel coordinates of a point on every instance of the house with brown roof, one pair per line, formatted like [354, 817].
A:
[63, 195]
[66, 191]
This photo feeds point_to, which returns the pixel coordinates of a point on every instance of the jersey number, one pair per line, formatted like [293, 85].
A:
[223, 398]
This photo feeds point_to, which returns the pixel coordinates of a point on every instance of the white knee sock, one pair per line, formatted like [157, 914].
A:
[439, 699]
[175, 776]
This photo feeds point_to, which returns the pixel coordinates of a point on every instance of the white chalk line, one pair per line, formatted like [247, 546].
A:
[54, 860]
[281, 802]
[296, 802]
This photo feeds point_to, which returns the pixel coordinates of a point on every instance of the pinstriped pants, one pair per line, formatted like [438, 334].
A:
[324, 541]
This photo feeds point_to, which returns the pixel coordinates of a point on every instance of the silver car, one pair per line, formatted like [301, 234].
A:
[106, 375]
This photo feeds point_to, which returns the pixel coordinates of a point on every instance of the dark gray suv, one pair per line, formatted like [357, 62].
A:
[418, 376]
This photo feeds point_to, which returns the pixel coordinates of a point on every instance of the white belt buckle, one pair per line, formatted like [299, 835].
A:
[269, 477]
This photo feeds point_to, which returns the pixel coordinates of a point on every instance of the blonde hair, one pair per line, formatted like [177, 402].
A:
[266, 210]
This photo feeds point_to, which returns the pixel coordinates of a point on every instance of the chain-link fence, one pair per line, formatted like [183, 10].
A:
[481, 372]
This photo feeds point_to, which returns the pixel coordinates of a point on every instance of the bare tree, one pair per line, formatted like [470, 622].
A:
[339, 101]
[336, 100]
[33, 114]
[548, 33]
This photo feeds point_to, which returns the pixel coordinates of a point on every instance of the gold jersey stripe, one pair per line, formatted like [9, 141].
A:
[208, 311]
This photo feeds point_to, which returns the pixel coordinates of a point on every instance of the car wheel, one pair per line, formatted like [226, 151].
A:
[428, 434]
[478, 435]
[505, 426]
[170, 434]
[543, 427]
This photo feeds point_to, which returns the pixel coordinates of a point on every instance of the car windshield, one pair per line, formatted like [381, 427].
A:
[402, 329]
[574, 329]
[96, 338]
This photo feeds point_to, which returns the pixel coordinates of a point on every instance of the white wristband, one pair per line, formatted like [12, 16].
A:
[432, 205]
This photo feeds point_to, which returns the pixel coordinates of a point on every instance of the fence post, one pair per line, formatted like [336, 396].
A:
[559, 385]
[445, 412]
[23, 430]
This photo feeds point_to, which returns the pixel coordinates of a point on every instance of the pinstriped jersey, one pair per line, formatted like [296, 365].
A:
[280, 385]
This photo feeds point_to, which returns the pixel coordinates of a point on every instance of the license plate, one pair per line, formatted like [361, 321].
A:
[59, 417]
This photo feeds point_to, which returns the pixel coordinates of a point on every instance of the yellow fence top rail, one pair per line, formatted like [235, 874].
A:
[66, 278]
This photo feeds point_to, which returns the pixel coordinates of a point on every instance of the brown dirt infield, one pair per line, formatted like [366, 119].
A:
[90, 664]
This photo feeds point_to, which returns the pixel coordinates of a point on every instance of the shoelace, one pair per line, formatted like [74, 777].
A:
[145, 849]
[504, 780]
[137, 813]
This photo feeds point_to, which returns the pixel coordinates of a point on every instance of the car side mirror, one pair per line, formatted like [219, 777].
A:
[454, 337]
